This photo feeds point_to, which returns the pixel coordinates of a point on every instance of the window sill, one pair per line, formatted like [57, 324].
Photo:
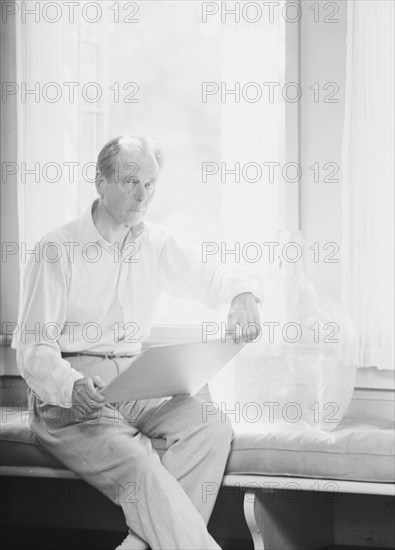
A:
[374, 378]
[367, 378]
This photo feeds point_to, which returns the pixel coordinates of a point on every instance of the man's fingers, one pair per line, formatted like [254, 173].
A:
[257, 321]
[233, 328]
[85, 412]
[98, 382]
[252, 331]
[244, 311]
[93, 406]
[252, 328]
[92, 392]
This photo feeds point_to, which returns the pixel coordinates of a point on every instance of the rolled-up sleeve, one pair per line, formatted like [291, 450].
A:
[41, 319]
[185, 275]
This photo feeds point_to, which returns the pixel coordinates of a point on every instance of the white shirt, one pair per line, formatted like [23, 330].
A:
[81, 293]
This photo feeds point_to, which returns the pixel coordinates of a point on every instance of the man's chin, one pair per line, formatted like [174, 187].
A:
[134, 217]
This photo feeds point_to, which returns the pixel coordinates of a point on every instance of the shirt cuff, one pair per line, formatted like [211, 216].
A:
[64, 394]
[66, 388]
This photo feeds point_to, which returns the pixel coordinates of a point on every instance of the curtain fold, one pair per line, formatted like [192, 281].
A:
[47, 129]
[368, 180]
[54, 140]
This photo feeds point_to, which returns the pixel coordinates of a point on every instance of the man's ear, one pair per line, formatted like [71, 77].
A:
[99, 183]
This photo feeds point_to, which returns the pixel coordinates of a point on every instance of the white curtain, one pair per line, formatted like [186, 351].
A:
[47, 131]
[368, 179]
[51, 128]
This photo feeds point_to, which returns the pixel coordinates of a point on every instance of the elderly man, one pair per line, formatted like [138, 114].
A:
[89, 295]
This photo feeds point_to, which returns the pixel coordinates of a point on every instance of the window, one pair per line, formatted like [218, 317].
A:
[195, 84]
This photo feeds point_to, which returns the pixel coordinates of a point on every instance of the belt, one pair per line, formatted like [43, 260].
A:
[110, 355]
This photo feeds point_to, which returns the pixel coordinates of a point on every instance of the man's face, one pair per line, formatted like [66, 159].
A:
[129, 191]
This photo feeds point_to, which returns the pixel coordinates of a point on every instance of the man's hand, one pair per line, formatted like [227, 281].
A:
[244, 311]
[86, 400]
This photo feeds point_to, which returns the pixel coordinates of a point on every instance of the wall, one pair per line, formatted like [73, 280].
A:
[9, 270]
[323, 59]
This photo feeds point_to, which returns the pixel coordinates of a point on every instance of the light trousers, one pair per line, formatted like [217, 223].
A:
[163, 498]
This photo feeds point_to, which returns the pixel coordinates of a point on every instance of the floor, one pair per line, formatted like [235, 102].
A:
[31, 538]
[22, 538]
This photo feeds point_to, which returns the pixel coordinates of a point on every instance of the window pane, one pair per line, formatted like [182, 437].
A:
[168, 54]
[156, 71]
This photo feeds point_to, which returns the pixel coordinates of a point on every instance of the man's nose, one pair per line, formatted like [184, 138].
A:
[141, 193]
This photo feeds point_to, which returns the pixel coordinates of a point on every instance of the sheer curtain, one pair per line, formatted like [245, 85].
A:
[47, 131]
[55, 139]
[368, 180]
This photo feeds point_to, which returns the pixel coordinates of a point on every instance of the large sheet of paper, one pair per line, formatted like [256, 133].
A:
[163, 371]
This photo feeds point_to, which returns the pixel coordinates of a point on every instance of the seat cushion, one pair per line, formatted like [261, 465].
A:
[359, 450]
[20, 447]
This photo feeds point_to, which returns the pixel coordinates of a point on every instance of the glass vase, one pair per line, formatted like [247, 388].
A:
[300, 373]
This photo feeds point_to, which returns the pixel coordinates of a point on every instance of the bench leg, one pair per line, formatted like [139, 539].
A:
[293, 521]
[249, 514]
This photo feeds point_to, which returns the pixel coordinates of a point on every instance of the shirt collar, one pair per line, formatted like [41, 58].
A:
[92, 234]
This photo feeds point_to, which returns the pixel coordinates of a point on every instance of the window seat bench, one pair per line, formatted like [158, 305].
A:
[290, 481]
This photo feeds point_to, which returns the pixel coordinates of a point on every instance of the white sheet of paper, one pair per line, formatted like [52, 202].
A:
[174, 369]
